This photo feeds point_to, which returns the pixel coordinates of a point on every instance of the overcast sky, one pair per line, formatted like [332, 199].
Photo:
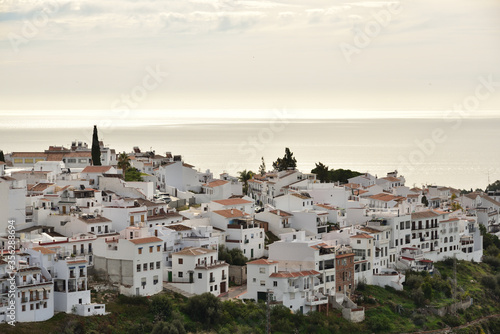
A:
[206, 54]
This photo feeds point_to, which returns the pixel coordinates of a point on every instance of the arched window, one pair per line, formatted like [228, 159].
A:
[445, 239]
[451, 239]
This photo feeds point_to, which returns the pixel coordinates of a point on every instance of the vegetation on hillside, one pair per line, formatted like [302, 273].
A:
[387, 310]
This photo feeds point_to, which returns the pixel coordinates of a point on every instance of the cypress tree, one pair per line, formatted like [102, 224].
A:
[96, 149]
[2, 157]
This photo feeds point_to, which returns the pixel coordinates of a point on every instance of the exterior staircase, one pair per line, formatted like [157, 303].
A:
[171, 288]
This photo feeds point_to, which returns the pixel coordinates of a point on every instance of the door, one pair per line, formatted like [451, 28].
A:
[170, 276]
[191, 278]
[64, 209]
[251, 253]
[222, 287]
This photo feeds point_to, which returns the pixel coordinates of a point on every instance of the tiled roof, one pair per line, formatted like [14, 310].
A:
[370, 230]
[28, 155]
[233, 201]
[362, 236]
[216, 183]
[263, 261]
[96, 169]
[386, 197]
[326, 206]
[146, 240]
[302, 195]
[43, 250]
[94, 220]
[288, 274]
[179, 227]
[424, 214]
[282, 213]
[230, 213]
[193, 251]
[40, 186]
[391, 179]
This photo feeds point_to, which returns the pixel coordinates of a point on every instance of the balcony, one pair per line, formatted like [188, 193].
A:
[224, 276]
[212, 279]
[316, 301]
[293, 288]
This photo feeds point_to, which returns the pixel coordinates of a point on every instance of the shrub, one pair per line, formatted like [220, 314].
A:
[204, 308]
[161, 307]
[489, 282]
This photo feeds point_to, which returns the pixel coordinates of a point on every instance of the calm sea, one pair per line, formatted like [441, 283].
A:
[425, 151]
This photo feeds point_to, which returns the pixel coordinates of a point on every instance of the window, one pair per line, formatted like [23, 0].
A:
[215, 287]
[138, 268]
[158, 248]
[24, 306]
[262, 283]
[158, 264]
[151, 249]
[31, 307]
[262, 270]
[140, 251]
[180, 261]
[145, 267]
[200, 275]
[155, 279]
[151, 266]
[254, 280]
[275, 283]
[72, 161]
[179, 274]
[359, 242]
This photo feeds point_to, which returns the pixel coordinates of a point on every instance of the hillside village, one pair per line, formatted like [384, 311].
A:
[308, 244]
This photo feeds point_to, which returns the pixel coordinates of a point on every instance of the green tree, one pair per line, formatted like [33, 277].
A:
[234, 256]
[123, 162]
[494, 186]
[96, 149]
[204, 308]
[288, 161]
[2, 157]
[161, 306]
[425, 201]
[322, 172]
[133, 174]
[243, 177]
[342, 175]
[262, 167]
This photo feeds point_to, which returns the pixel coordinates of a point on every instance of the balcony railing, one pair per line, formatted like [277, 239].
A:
[212, 279]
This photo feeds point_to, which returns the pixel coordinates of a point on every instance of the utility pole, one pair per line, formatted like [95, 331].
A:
[268, 311]
[454, 283]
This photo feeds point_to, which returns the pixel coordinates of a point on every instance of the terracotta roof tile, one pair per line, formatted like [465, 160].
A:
[215, 183]
[230, 213]
[146, 240]
[232, 201]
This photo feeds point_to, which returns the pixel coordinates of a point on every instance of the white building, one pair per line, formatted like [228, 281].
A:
[296, 290]
[198, 270]
[131, 260]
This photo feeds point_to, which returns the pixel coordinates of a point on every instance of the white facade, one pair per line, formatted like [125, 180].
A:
[198, 270]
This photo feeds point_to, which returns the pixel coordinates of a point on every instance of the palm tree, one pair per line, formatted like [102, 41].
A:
[123, 162]
[244, 177]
